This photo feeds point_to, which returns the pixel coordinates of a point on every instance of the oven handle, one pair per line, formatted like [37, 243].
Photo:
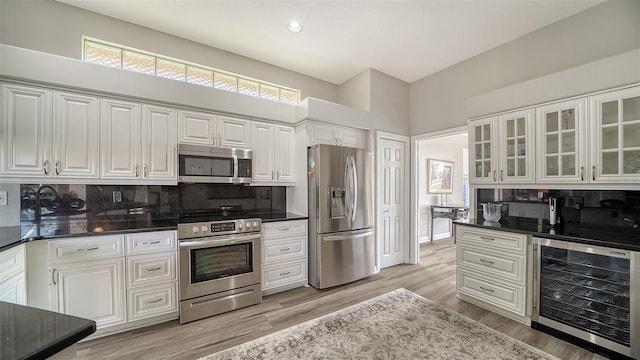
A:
[221, 241]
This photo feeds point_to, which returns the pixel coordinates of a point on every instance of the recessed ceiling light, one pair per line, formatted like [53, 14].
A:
[294, 27]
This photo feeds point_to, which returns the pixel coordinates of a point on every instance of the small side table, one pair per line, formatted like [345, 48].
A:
[451, 212]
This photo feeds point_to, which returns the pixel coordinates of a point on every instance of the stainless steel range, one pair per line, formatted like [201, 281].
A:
[219, 266]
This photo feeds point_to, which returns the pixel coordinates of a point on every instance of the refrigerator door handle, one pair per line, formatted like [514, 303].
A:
[354, 184]
[348, 237]
[347, 189]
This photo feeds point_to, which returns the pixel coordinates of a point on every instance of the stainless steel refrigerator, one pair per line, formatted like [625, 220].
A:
[341, 232]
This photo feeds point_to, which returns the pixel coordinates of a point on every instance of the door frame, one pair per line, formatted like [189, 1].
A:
[408, 248]
[415, 212]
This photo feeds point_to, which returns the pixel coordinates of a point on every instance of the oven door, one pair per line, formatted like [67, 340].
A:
[214, 264]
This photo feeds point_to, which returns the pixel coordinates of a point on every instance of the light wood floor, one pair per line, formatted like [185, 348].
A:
[433, 278]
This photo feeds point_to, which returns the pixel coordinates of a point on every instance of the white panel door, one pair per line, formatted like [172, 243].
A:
[322, 134]
[196, 128]
[483, 151]
[351, 138]
[517, 144]
[234, 133]
[14, 290]
[120, 139]
[76, 145]
[159, 148]
[392, 234]
[285, 156]
[91, 289]
[25, 131]
[263, 147]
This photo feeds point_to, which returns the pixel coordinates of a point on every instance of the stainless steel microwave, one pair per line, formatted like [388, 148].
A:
[208, 164]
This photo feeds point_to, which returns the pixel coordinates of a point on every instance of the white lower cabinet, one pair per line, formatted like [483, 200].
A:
[284, 255]
[12, 275]
[119, 281]
[492, 271]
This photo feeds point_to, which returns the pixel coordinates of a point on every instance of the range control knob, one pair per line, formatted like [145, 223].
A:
[204, 228]
[255, 224]
[196, 229]
[240, 225]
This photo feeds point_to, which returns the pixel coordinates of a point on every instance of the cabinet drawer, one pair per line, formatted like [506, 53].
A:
[504, 295]
[490, 239]
[284, 273]
[150, 242]
[276, 250]
[151, 269]
[284, 228]
[504, 265]
[85, 248]
[12, 262]
[149, 301]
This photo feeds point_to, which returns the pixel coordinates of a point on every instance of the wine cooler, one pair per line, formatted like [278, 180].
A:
[589, 292]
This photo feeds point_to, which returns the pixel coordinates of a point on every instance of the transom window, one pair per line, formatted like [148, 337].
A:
[121, 57]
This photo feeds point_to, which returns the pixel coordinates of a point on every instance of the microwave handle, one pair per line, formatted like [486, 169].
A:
[235, 169]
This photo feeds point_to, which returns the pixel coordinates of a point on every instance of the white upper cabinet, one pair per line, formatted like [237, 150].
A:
[37, 144]
[502, 149]
[76, 145]
[159, 143]
[319, 133]
[209, 129]
[273, 152]
[561, 146]
[138, 141]
[120, 139]
[25, 130]
[615, 136]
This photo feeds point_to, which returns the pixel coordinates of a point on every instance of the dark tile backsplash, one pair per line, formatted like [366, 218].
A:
[615, 208]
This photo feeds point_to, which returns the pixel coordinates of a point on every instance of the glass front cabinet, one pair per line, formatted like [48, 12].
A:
[561, 142]
[615, 136]
[501, 148]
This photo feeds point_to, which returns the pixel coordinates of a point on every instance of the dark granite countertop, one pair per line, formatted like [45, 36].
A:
[618, 237]
[30, 333]
[279, 216]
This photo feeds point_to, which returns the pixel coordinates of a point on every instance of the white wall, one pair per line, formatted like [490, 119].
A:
[449, 148]
[389, 103]
[356, 92]
[438, 101]
[10, 214]
[56, 28]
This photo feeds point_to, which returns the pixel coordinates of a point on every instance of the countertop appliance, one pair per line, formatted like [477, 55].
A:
[220, 266]
[208, 164]
[590, 293]
[341, 233]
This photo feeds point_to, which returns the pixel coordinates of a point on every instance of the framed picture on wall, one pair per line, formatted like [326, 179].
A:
[439, 176]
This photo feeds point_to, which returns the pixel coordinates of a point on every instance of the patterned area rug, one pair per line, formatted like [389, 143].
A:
[396, 325]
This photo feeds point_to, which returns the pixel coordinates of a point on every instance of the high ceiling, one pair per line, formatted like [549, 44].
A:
[405, 39]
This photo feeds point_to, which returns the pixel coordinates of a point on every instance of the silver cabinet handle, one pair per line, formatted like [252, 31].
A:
[285, 273]
[272, 175]
[487, 261]
[485, 289]
[153, 301]
[494, 176]
[593, 173]
[56, 167]
[487, 238]
[53, 276]
[154, 269]
[283, 229]
[285, 249]
[219, 140]
[581, 173]
[88, 249]
[145, 171]
[278, 175]
[137, 172]
[151, 242]
[501, 175]
[45, 167]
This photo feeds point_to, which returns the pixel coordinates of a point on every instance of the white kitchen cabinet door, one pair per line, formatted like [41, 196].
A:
[76, 144]
[263, 151]
[120, 139]
[322, 134]
[14, 289]
[159, 143]
[615, 136]
[284, 153]
[561, 146]
[351, 137]
[197, 128]
[25, 127]
[517, 156]
[91, 289]
[483, 151]
[234, 133]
